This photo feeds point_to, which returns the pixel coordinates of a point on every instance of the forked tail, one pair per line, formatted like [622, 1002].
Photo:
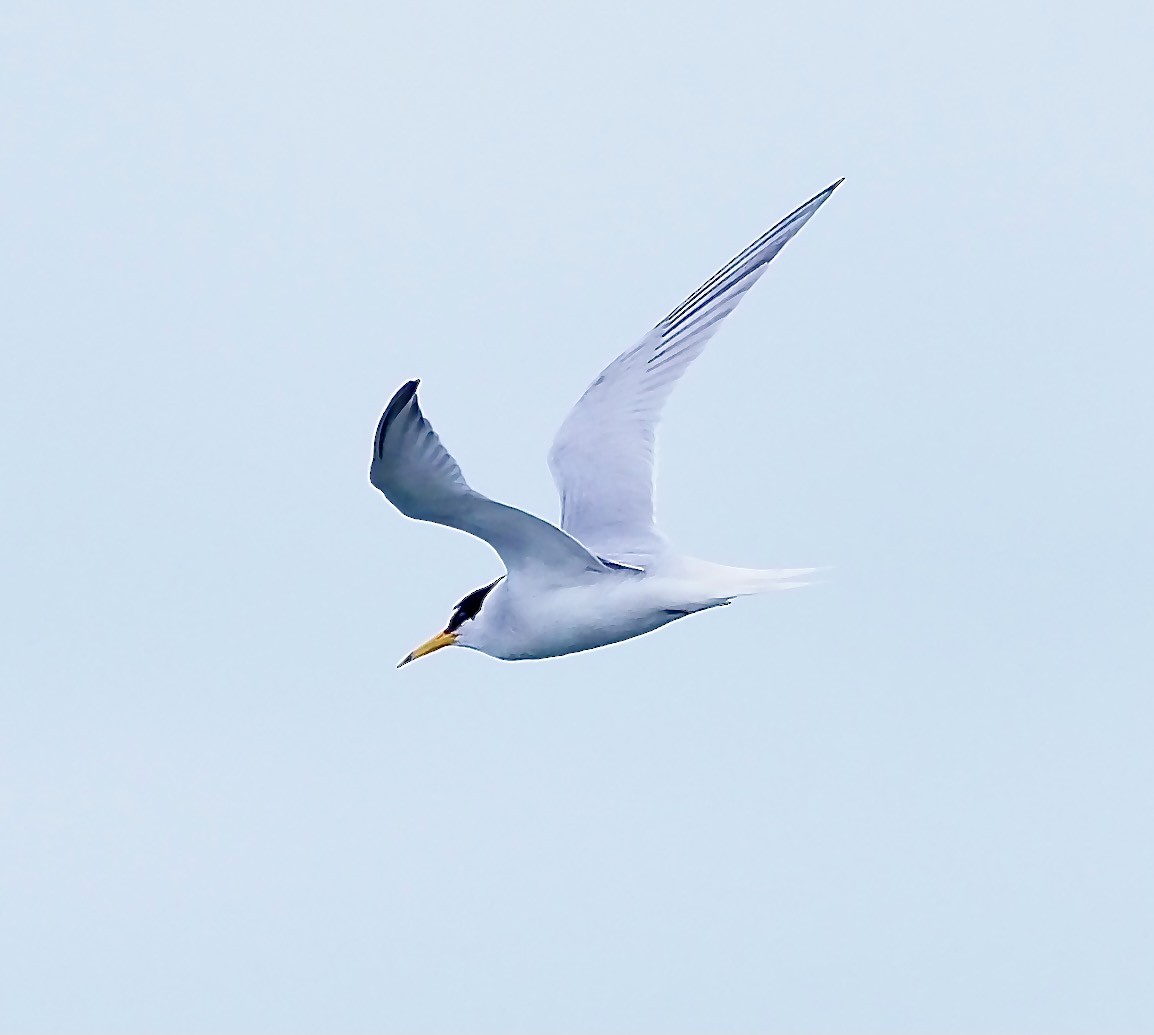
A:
[726, 582]
[744, 582]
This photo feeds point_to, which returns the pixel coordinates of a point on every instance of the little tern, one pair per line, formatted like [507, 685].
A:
[607, 573]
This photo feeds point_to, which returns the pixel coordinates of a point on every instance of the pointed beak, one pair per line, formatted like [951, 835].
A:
[445, 639]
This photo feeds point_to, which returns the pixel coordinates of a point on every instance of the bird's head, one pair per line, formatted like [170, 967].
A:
[461, 628]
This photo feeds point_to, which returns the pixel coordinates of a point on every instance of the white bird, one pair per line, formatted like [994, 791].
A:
[607, 574]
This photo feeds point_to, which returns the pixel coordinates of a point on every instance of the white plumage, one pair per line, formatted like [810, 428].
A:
[607, 573]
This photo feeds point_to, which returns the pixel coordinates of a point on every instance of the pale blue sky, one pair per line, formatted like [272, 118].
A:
[916, 798]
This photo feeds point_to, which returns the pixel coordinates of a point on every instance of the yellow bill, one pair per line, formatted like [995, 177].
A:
[445, 639]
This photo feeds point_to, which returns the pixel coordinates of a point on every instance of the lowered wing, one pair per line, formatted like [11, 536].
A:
[422, 480]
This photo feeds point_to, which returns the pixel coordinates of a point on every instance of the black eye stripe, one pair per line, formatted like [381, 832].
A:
[469, 607]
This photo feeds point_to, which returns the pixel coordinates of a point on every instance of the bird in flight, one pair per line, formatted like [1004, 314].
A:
[607, 573]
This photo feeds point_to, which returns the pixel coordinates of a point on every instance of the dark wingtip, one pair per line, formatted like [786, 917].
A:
[821, 198]
[397, 403]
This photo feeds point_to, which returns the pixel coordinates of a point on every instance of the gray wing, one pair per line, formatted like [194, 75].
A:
[421, 479]
[602, 457]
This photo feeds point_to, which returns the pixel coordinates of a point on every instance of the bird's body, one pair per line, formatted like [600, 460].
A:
[606, 574]
[524, 620]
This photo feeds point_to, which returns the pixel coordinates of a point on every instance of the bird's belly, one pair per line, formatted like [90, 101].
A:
[578, 620]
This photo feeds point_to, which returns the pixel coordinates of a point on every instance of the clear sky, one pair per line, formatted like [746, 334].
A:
[916, 798]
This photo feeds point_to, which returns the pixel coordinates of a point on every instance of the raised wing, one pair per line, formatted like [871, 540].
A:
[602, 457]
[421, 479]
